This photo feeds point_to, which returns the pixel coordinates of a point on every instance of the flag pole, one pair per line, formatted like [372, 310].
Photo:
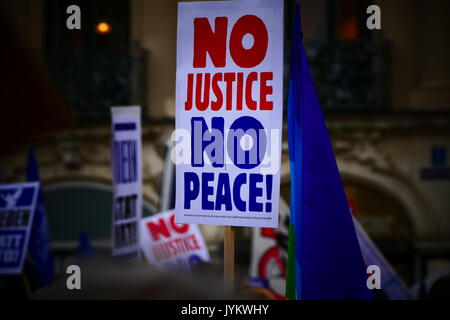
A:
[228, 256]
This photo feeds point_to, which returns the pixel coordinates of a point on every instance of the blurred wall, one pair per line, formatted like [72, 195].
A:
[154, 25]
[386, 149]
[421, 67]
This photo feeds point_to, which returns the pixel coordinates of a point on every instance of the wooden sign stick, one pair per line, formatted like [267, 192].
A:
[228, 256]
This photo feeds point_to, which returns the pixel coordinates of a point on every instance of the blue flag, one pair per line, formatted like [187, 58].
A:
[39, 249]
[325, 260]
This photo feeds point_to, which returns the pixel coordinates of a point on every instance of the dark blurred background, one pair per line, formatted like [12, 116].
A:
[385, 94]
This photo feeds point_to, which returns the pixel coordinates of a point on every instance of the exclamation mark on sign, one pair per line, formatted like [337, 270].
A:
[269, 180]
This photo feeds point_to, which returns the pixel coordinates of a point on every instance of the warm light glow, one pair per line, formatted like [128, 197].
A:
[349, 29]
[103, 28]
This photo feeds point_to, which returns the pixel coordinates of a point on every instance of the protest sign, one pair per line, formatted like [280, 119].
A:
[229, 110]
[126, 167]
[167, 244]
[41, 271]
[17, 206]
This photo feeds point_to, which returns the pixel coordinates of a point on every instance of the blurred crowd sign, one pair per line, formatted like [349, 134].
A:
[391, 283]
[126, 168]
[229, 111]
[17, 207]
[268, 265]
[167, 244]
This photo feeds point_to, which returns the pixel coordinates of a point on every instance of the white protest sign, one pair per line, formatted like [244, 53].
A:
[126, 168]
[167, 244]
[229, 111]
[17, 206]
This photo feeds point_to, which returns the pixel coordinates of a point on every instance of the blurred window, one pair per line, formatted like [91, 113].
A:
[347, 19]
[350, 63]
